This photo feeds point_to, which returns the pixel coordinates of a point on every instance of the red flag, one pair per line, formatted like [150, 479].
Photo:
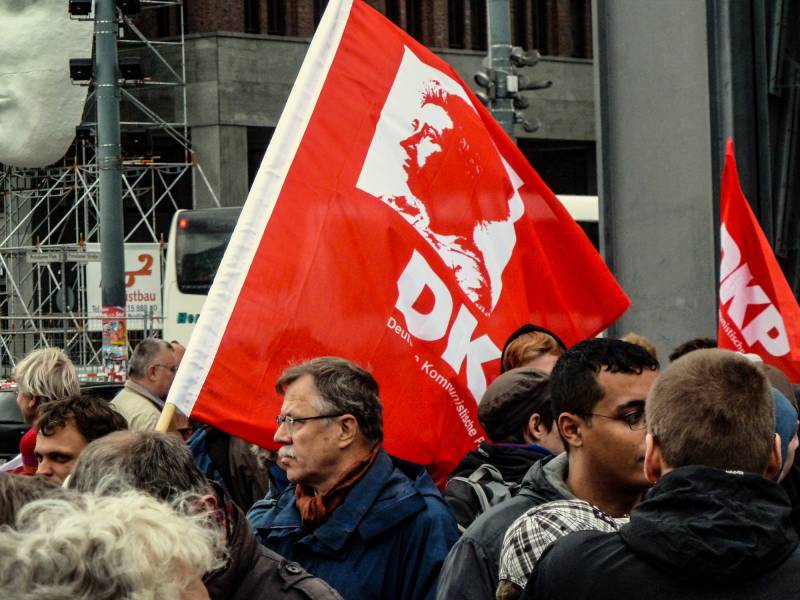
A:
[757, 311]
[393, 223]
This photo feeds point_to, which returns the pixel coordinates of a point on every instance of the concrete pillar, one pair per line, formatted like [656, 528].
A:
[654, 129]
[222, 154]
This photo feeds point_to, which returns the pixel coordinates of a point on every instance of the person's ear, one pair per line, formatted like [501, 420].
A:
[535, 428]
[653, 460]
[348, 428]
[571, 428]
[773, 470]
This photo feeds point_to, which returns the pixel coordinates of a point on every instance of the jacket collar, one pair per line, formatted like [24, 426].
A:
[143, 391]
[700, 523]
[379, 501]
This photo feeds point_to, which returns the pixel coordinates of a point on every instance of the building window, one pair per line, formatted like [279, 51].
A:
[580, 41]
[319, 8]
[479, 25]
[393, 11]
[163, 21]
[455, 19]
[276, 17]
[414, 19]
[539, 18]
[521, 23]
[252, 23]
[258, 139]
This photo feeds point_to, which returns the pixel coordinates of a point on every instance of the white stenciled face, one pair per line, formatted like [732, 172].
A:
[39, 105]
[433, 161]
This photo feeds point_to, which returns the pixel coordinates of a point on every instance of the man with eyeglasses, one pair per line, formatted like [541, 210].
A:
[715, 524]
[368, 524]
[598, 389]
[151, 370]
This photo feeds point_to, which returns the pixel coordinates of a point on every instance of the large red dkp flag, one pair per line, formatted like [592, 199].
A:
[757, 311]
[392, 222]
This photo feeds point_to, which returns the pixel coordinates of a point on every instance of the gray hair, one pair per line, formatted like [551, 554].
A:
[145, 353]
[16, 492]
[48, 374]
[87, 547]
[156, 463]
[344, 388]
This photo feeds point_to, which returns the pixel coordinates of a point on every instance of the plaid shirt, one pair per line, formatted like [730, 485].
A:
[532, 533]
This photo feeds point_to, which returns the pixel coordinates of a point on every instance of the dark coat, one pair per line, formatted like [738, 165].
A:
[254, 572]
[228, 461]
[471, 569]
[512, 460]
[387, 540]
[700, 533]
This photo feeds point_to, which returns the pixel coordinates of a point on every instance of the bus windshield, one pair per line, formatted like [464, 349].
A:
[200, 241]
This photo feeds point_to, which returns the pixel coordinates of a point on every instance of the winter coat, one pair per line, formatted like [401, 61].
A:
[387, 540]
[254, 572]
[700, 533]
[471, 569]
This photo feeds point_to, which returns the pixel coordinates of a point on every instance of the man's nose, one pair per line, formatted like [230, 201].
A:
[44, 469]
[282, 435]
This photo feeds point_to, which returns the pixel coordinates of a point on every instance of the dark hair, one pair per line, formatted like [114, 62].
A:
[156, 463]
[573, 382]
[691, 346]
[92, 417]
[345, 388]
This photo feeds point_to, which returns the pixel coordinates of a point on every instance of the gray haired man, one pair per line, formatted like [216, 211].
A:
[368, 524]
[151, 370]
[162, 466]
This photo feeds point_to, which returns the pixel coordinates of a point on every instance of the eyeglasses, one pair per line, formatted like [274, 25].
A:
[290, 421]
[635, 420]
[169, 368]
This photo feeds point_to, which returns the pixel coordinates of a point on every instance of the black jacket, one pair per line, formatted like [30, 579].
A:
[254, 572]
[700, 533]
[513, 461]
[471, 569]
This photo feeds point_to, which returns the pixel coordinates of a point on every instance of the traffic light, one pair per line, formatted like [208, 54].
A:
[485, 79]
[505, 83]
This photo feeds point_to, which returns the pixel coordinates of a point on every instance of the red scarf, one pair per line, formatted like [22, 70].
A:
[316, 508]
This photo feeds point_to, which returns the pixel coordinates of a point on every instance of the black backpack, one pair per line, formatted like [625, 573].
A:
[471, 496]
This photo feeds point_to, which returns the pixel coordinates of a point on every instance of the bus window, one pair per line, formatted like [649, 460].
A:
[201, 237]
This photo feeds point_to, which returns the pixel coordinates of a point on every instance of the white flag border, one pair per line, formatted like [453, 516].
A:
[261, 200]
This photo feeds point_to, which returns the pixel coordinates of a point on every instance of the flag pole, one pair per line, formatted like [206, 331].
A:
[166, 418]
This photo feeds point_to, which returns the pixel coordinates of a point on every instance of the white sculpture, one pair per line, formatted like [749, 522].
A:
[39, 105]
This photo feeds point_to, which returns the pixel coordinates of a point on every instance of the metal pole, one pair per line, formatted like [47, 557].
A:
[109, 161]
[499, 19]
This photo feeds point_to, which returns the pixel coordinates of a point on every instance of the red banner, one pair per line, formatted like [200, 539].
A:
[395, 224]
[757, 311]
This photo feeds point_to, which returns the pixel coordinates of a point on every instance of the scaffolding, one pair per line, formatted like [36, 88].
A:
[50, 218]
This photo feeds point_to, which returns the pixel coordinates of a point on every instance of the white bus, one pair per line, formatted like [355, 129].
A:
[197, 241]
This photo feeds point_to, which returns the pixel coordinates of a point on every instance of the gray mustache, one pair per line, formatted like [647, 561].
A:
[286, 452]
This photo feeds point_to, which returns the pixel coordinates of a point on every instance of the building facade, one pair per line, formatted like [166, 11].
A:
[242, 58]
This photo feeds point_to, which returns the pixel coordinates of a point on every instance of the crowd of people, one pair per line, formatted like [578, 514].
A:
[606, 476]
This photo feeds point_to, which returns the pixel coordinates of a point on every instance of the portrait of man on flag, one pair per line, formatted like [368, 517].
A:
[430, 133]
